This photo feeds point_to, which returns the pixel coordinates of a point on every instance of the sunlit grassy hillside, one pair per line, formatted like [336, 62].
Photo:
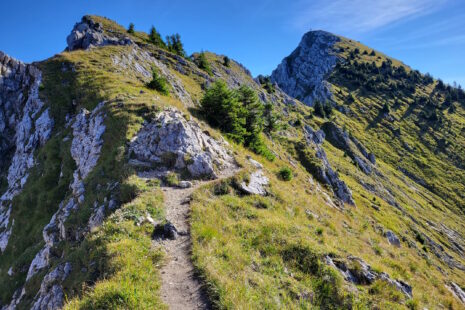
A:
[254, 252]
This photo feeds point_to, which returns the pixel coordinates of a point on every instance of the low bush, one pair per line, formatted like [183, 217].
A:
[221, 188]
[285, 174]
[158, 83]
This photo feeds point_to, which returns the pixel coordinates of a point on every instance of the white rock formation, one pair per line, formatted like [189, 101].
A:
[303, 74]
[88, 130]
[257, 184]
[88, 34]
[51, 295]
[24, 125]
[173, 142]
[324, 172]
[457, 292]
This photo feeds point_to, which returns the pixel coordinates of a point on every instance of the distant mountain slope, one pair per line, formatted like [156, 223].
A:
[352, 199]
[417, 120]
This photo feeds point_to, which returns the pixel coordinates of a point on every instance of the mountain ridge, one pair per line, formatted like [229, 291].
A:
[374, 162]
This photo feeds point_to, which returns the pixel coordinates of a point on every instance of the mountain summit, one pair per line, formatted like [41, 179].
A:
[134, 176]
[303, 73]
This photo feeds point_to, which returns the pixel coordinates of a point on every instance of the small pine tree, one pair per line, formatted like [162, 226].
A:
[175, 45]
[318, 109]
[373, 53]
[158, 83]
[386, 108]
[271, 123]
[226, 61]
[222, 109]
[254, 108]
[203, 64]
[328, 108]
[238, 113]
[350, 98]
[155, 38]
[131, 28]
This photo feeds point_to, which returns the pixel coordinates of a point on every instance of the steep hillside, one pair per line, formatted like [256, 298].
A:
[135, 177]
[411, 123]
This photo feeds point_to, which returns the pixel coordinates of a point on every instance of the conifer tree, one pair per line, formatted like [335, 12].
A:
[203, 64]
[318, 109]
[175, 45]
[131, 28]
[226, 61]
[155, 38]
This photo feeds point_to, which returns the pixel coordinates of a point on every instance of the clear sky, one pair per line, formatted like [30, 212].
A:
[426, 34]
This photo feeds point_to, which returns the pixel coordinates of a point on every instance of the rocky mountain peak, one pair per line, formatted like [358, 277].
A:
[303, 73]
[89, 33]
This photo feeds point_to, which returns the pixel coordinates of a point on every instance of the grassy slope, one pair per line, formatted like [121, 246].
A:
[435, 145]
[237, 243]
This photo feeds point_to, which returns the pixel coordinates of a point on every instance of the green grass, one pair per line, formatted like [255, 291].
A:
[172, 179]
[128, 263]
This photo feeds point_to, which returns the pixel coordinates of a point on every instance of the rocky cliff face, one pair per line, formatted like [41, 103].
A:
[88, 129]
[25, 125]
[303, 74]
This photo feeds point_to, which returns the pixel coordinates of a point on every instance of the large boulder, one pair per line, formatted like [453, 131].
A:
[392, 238]
[172, 142]
[256, 185]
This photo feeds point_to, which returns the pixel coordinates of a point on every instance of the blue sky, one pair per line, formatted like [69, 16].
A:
[426, 34]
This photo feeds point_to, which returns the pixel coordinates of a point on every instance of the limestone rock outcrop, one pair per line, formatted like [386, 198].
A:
[88, 130]
[141, 62]
[303, 74]
[457, 291]
[356, 270]
[324, 172]
[25, 125]
[170, 141]
[392, 238]
[257, 183]
[88, 34]
[51, 294]
[351, 146]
